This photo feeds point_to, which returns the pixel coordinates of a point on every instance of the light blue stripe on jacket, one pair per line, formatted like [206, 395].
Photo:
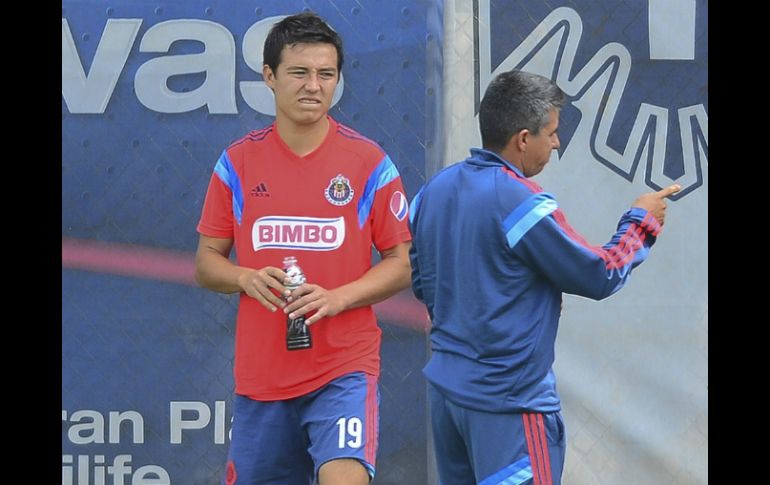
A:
[526, 215]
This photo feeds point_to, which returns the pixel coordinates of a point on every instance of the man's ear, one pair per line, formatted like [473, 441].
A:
[522, 139]
[516, 145]
[269, 76]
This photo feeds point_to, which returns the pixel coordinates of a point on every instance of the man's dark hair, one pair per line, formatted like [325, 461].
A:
[516, 100]
[302, 28]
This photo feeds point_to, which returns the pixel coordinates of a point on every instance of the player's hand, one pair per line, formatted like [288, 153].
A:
[312, 298]
[260, 283]
[654, 202]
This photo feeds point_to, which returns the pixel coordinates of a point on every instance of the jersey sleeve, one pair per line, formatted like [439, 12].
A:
[537, 232]
[384, 205]
[217, 217]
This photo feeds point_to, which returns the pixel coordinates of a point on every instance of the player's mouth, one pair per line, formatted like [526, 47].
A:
[312, 101]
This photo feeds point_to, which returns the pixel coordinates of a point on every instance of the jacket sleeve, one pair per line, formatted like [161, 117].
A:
[538, 233]
[416, 283]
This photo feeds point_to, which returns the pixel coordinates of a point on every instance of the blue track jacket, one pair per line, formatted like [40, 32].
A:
[491, 255]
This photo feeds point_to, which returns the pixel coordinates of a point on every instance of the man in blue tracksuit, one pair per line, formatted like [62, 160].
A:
[491, 256]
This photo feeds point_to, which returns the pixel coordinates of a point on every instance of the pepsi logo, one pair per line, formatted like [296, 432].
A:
[399, 205]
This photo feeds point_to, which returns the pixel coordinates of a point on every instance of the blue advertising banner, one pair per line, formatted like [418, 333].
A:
[636, 74]
[632, 370]
[152, 92]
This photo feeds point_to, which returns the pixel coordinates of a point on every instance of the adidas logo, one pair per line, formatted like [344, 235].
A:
[260, 191]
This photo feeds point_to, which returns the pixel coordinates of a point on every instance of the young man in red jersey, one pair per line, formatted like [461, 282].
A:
[309, 187]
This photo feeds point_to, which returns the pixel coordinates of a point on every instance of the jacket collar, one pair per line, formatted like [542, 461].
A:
[485, 158]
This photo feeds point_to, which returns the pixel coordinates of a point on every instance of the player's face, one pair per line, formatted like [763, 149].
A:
[304, 82]
[540, 146]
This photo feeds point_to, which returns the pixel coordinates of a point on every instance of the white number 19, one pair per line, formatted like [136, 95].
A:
[353, 429]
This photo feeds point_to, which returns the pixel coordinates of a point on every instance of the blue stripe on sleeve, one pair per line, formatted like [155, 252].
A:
[414, 205]
[227, 174]
[526, 215]
[513, 474]
[381, 176]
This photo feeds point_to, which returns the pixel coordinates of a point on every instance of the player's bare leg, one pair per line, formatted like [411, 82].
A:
[346, 471]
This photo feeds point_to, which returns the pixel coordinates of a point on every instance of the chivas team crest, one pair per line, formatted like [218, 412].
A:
[339, 191]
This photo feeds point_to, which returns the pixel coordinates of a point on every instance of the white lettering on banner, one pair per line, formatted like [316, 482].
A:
[119, 472]
[91, 93]
[217, 61]
[202, 419]
[596, 89]
[302, 233]
[89, 427]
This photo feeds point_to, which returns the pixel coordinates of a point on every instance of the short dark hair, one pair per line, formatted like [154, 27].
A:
[302, 28]
[516, 100]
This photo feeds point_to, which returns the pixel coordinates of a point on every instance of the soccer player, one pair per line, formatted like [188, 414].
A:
[309, 187]
[491, 256]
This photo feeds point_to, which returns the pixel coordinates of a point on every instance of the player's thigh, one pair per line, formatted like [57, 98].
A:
[452, 460]
[342, 421]
[268, 445]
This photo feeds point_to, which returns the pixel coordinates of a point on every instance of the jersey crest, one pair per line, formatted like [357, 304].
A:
[339, 191]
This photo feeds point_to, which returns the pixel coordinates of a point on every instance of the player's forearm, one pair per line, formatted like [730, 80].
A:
[217, 273]
[391, 275]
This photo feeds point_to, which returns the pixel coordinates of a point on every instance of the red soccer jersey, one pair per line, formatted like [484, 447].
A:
[327, 209]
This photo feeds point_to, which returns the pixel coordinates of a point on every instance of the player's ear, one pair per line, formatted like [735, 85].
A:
[269, 76]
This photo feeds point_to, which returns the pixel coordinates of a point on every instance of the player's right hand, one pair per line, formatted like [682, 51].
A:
[654, 202]
[260, 283]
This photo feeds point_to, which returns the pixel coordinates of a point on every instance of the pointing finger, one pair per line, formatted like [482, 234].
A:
[671, 189]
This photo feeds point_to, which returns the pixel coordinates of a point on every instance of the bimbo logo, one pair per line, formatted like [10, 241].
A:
[303, 233]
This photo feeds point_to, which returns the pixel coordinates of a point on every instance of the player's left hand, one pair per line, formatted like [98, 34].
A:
[310, 298]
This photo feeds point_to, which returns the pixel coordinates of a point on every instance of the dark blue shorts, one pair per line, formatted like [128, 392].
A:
[476, 447]
[286, 442]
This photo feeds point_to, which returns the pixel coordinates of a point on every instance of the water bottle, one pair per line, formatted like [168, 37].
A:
[297, 333]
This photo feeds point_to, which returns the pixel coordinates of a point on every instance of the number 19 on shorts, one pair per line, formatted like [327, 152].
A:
[350, 432]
